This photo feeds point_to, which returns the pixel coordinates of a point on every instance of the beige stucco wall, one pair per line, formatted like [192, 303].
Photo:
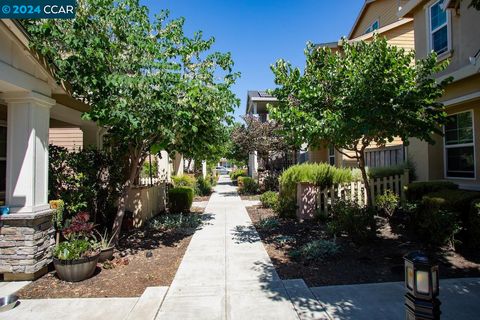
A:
[429, 160]
[385, 11]
[465, 23]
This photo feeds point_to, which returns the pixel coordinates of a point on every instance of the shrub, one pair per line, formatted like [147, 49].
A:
[349, 218]
[174, 221]
[436, 224]
[247, 186]
[416, 190]
[86, 180]
[316, 250]
[203, 186]
[183, 181]
[320, 174]
[268, 223]
[286, 208]
[180, 199]
[269, 199]
[473, 226]
[382, 172]
[387, 202]
[235, 174]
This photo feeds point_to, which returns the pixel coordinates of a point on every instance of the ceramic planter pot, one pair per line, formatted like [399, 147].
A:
[76, 270]
[106, 254]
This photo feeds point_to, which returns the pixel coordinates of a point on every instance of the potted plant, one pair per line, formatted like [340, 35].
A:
[106, 247]
[75, 259]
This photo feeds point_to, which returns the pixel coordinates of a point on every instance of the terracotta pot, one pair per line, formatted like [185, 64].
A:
[76, 270]
[106, 254]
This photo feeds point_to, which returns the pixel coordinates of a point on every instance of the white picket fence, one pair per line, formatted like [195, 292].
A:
[147, 181]
[311, 200]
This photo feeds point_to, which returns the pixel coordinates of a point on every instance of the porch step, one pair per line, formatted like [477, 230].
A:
[148, 304]
[304, 302]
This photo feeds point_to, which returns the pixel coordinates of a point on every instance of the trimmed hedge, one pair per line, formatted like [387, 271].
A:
[416, 190]
[454, 200]
[382, 172]
[180, 199]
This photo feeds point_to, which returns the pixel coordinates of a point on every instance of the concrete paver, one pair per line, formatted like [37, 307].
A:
[71, 309]
[226, 272]
[460, 300]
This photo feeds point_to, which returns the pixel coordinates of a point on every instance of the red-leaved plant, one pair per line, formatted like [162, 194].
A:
[79, 227]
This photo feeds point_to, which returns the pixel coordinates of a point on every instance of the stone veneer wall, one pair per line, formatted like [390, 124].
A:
[26, 243]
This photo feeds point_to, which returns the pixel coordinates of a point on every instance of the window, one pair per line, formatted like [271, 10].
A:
[439, 28]
[331, 155]
[373, 27]
[459, 146]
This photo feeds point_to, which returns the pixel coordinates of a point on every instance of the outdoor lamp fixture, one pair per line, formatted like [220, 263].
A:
[421, 283]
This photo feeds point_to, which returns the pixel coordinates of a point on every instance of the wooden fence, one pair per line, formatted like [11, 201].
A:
[149, 181]
[311, 200]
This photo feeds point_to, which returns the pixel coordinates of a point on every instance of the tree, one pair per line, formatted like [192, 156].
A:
[367, 94]
[145, 81]
[263, 137]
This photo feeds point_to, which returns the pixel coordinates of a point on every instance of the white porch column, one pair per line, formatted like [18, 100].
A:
[27, 151]
[253, 165]
[204, 169]
[178, 164]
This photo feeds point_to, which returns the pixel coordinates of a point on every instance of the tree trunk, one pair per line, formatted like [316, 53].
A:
[361, 165]
[117, 224]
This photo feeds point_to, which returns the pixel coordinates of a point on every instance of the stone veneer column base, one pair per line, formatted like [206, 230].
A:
[26, 244]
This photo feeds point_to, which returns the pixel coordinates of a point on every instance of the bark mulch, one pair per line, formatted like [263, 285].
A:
[144, 258]
[379, 260]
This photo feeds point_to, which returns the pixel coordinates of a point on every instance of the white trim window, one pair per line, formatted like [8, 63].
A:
[439, 28]
[374, 26]
[459, 146]
[331, 155]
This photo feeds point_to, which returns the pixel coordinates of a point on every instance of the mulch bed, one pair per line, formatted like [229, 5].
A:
[379, 260]
[144, 258]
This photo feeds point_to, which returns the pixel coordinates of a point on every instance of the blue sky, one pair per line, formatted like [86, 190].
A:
[258, 32]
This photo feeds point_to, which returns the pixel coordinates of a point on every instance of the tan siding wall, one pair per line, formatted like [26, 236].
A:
[70, 138]
[385, 11]
[318, 155]
[402, 36]
[463, 87]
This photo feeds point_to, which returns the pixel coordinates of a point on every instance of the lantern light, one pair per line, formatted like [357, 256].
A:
[422, 286]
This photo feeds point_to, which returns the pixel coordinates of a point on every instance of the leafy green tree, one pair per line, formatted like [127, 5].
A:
[145, 80]
[369, 93]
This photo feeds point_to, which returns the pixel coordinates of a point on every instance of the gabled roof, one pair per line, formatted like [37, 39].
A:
[360, 15]
[367, 35]
[410, 6]
[258, 96]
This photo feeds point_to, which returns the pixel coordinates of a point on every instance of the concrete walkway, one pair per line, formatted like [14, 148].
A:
[226, 272]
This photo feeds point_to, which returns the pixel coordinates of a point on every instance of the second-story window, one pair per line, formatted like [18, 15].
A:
[373, 27]
[439, 28]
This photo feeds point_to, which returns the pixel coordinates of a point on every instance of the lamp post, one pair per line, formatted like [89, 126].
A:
[421, 283]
